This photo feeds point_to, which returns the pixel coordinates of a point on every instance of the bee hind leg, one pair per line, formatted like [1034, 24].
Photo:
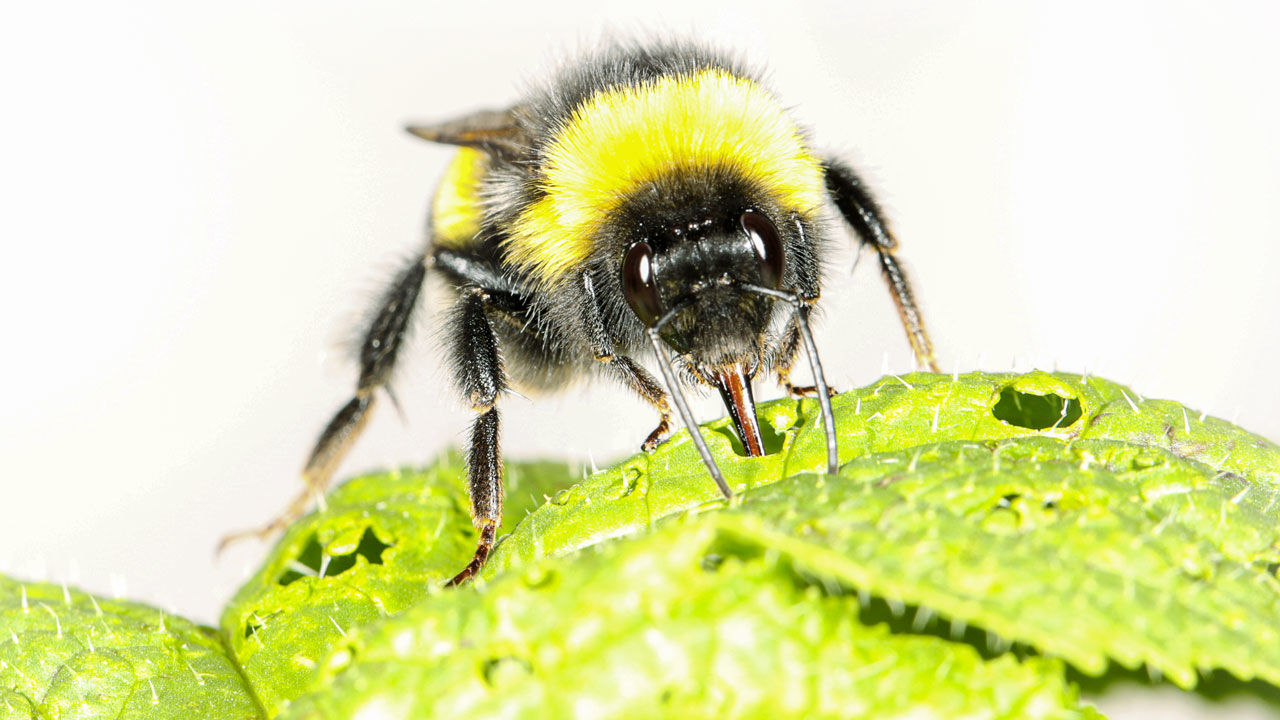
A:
[379, 350]
[860, 209]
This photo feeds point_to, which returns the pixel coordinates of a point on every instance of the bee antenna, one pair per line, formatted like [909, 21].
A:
[801, 310]
[665, 363]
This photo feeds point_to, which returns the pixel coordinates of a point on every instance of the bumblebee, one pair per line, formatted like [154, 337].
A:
[649, 201]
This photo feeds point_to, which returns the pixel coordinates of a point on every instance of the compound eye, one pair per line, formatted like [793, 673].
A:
[767, 246]
[638, 285]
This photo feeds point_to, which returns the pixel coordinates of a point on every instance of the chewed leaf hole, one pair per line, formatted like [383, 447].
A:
[312, 561]
[1036, 412]
[505, 670]
[772, 439]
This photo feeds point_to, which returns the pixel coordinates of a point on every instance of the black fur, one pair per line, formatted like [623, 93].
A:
[512, 187]
[473, 350]
[485, 464]
[617, 65]
[855, 202]
[694, 257]
[387, 329]
[378, 351]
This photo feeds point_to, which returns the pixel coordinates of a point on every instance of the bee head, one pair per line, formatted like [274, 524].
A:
[691, 281]
[699, 270]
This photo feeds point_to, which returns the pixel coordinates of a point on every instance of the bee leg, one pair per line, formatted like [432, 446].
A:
[480, 376]
[484, 471]
[378, 353]
[801, 305]
[788, 349]
[863, 213]
[629, 371]
[484, 287]
[639, 379]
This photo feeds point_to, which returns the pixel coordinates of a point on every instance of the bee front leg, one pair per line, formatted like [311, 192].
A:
[639, 379]
[627, 370]
[478, 371]
[785, 359]
[378, 353]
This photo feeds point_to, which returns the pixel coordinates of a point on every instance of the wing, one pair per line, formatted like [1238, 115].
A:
[497, 132]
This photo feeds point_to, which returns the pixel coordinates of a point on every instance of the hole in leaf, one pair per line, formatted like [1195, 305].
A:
[501, 670]
[726, 546]
[1036, 412]
[539, 577]
[250, 628]
[311, 561]
[772, 439]
[1006, 503]
[631, 478]
[711, 562]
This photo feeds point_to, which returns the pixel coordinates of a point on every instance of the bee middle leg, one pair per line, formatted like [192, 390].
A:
[485, 292]
[480, 376]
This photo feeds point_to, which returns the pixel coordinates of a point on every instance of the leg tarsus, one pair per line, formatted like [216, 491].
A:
[639, 380]
[806, 391]
[908, 312]
[333, 444]
[479, 374]
[659, 434]
[488, 536]
[788, 349]
[296, 509]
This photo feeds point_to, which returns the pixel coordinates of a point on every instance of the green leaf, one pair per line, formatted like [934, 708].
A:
[380, 543]
[1016, 539]
[67, 654]
[671, 625]
[894, 414]
[1122, 529]
[1067, 515]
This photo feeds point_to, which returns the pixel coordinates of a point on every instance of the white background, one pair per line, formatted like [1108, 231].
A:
[199, 200]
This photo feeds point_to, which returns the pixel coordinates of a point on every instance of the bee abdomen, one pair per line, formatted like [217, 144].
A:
[456, 211]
